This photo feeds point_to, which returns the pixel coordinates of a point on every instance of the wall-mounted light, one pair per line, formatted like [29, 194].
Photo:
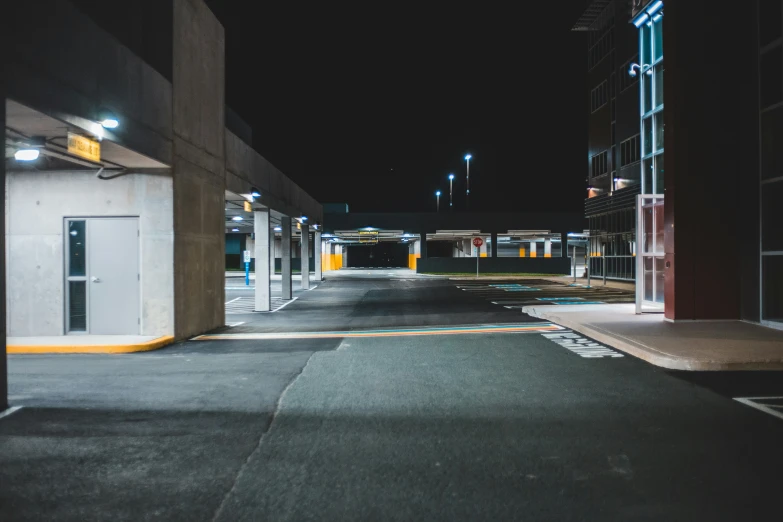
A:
[108, 119]
[255, 193]
[26, 154]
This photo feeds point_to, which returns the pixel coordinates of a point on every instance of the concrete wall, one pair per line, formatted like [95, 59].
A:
[199, 169]
[37, 205]
[446, 265]
[3, 358]
[69, 68]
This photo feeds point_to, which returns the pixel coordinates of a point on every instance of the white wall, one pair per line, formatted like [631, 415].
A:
[37, 204]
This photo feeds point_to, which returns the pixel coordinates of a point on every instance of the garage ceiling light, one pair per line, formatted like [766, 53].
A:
[237, 218]
[26, 154]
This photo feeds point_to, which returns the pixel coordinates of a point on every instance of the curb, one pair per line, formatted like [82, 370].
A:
[650, 354]
[154, 344]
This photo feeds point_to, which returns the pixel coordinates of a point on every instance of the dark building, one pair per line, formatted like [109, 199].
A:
[613, 149]
[723, 182]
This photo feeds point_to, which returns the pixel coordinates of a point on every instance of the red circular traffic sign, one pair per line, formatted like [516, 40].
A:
[477, 242]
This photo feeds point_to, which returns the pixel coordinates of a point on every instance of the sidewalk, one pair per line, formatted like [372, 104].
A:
[692, 346]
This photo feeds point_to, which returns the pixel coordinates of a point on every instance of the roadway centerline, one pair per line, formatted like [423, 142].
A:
[401, 332]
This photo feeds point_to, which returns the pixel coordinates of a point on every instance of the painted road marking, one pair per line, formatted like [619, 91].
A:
[457, 330]
[560, 298]
[582, 346]
[771, 405]
[247, 305]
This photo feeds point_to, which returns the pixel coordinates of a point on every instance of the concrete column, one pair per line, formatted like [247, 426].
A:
[285, 257]
[272, 248]
[317, 249]
[305, 257]
[494, 246]
[564, 244]
[533, 252]
[467, 247]
[263, 290]
[423, 247]
[547, 248]
[3, 360]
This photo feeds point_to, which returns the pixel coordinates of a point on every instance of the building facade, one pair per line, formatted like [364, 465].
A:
[722, 97]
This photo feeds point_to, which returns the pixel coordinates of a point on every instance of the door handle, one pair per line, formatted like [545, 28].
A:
[96, 279]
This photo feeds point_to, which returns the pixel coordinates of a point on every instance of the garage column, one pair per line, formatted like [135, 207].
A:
[305, 257]
[285, 256]
[272, 248]
[494, 240]
[423, 247]
[564, 244]
[263, 291]
[317, 256]
[533, 252]
[547, 247]
[467, 247]
[3, 367]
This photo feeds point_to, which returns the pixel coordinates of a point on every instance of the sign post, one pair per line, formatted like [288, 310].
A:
[477, 242]
[247, 267]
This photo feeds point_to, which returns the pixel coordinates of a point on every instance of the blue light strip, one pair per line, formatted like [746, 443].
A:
[646, 14]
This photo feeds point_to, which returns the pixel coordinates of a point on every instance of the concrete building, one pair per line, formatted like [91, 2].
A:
[721, 97]
[117, 177]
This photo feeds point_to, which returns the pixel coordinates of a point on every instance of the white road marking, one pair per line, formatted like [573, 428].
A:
[9, 411]
[581, 346]
[237, 299]
[284, 305]
[751, 401]
[231, 325]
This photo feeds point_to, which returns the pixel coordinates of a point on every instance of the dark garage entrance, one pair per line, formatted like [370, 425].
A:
[381, 255]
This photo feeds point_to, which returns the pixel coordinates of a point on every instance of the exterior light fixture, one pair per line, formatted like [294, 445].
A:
[437, 193]
[237, 218]
[451, 177]
[303, 219]
[108, 119]
[234, 230]
[26, 154]
[255, 193]
[467, 157]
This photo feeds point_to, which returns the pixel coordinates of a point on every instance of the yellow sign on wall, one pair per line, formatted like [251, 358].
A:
[84, 147]
[248, 207]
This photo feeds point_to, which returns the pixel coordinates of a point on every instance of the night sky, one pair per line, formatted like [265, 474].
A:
[375, 104]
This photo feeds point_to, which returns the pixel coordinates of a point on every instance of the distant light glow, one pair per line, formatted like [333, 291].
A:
[451, 176]
[278, 229]
[237, 218]
[437, 193]
[255, 194]
[467, 157]
[110, 123]
[303, 219]
[26, 154]
[234, 230]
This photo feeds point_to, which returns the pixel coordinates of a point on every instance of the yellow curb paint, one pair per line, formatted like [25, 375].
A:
[154, 344]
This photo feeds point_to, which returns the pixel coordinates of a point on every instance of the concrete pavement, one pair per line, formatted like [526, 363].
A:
[533, 425]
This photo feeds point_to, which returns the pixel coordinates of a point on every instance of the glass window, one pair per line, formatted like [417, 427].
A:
[76, 248]
[772, 277]
[769, 21]
[659, 124]
[648, 176]
[772, 217]
[658, 38]
[77, 306]
[645, 44]
[771, 76]
[647, 81]
[771, 140]
[659, 85]
[659, 174]
[647, 136]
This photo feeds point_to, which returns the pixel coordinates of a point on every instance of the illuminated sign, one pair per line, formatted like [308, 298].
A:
[84, 147]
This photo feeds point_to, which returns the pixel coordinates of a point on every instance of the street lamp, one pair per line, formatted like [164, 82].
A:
[451, 190]
[467, 192]
[437, 195]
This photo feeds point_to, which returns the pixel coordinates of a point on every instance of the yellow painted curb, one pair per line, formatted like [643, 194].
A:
[154, 344]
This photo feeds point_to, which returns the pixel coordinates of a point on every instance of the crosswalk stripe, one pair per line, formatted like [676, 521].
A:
[246, 305]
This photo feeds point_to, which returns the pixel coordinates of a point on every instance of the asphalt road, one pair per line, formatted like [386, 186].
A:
[448, 420]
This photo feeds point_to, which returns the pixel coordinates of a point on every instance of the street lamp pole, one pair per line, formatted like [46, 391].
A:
[451, 191]
[437, 195]
[467, 193]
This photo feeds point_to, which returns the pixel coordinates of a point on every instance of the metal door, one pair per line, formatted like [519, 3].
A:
[649, 253]
[113, 276]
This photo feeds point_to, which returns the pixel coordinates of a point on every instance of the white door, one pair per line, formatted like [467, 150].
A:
[103, 276]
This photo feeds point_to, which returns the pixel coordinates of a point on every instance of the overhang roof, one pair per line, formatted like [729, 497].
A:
[591, 14]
